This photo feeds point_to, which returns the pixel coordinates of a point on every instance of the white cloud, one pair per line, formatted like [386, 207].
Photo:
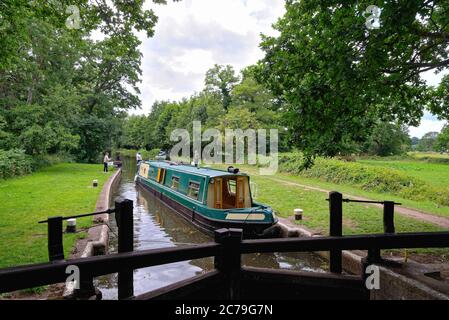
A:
[429, 122]
[432, 78]
[427, 125]
[193, 35]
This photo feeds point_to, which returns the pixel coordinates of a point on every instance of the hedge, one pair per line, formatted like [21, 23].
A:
[15, 162]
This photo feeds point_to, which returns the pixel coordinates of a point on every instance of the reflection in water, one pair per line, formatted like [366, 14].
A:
[156, 226]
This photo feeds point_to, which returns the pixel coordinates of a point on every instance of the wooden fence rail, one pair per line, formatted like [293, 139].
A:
[49, 273]
[227, 250]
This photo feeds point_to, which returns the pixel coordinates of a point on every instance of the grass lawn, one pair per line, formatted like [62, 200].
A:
[63, 189]
[358, 218]
[435, 174]
[431, 155]
[278, 192]
[425, 206]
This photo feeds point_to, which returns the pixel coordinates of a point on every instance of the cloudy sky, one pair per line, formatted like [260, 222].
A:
[193, 35]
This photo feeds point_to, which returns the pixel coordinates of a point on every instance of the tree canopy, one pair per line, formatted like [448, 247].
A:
[427, 142]
[442, 143]
[337, 78]
[250, 106]
[221, 79]
[60, 90]
[330, 84]
[387, 139]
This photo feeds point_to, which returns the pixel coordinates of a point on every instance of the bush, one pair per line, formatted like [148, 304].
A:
[365, 177]
[42, 161]
[15, 162]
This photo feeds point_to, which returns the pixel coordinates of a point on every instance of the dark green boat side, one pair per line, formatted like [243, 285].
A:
[210, 199]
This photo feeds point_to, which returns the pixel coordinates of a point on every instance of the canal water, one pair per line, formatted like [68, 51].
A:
[156, 226]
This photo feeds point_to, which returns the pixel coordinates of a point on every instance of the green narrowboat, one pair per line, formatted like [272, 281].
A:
[210, 199]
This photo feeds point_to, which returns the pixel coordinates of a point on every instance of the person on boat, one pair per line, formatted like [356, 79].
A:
[118, 161]
[106, 159]
[138, 158]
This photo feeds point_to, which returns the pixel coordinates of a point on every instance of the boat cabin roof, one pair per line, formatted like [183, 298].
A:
[207, 172]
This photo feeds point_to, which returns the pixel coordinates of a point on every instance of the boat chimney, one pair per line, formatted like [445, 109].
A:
[233, 170]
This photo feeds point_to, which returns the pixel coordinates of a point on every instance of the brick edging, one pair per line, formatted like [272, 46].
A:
[97, 240]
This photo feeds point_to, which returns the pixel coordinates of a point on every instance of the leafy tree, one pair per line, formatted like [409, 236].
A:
[221, 80]
[427, 142]
[387, 139]
[442, 143]
[61, 91]
[414, 142]
[338, 78]
[133, 132]
[251, 94]
[238, 118]
[440, 101]
[252, 107]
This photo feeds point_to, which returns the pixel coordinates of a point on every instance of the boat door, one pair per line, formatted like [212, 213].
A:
[240, 193]
[160, 176]
[218, 193]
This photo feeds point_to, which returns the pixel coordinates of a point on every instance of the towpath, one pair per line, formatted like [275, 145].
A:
[407, 212]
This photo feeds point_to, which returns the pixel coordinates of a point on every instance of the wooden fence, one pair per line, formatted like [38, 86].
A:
[229, 279]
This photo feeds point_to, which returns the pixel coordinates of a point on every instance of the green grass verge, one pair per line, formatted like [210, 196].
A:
[423, 205]
[435, 174]
[63, 189]
[279, 192]
[431, 157]
[375, 176]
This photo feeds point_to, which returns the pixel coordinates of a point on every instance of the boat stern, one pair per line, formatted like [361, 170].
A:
[257, 222]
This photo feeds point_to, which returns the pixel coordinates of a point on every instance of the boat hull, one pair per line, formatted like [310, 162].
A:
[251, 230]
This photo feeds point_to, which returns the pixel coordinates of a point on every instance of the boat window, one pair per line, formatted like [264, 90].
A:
[229, 192]
[144, 170]
[175, 183]
[232, 187]
[194, 190]
[151, 173]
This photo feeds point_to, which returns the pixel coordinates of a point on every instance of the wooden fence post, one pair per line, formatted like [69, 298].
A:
[374, 254]
[230, 261]
[389, 217]
[55, 244]
[86, 288]
[336, 229]
[125, 223]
